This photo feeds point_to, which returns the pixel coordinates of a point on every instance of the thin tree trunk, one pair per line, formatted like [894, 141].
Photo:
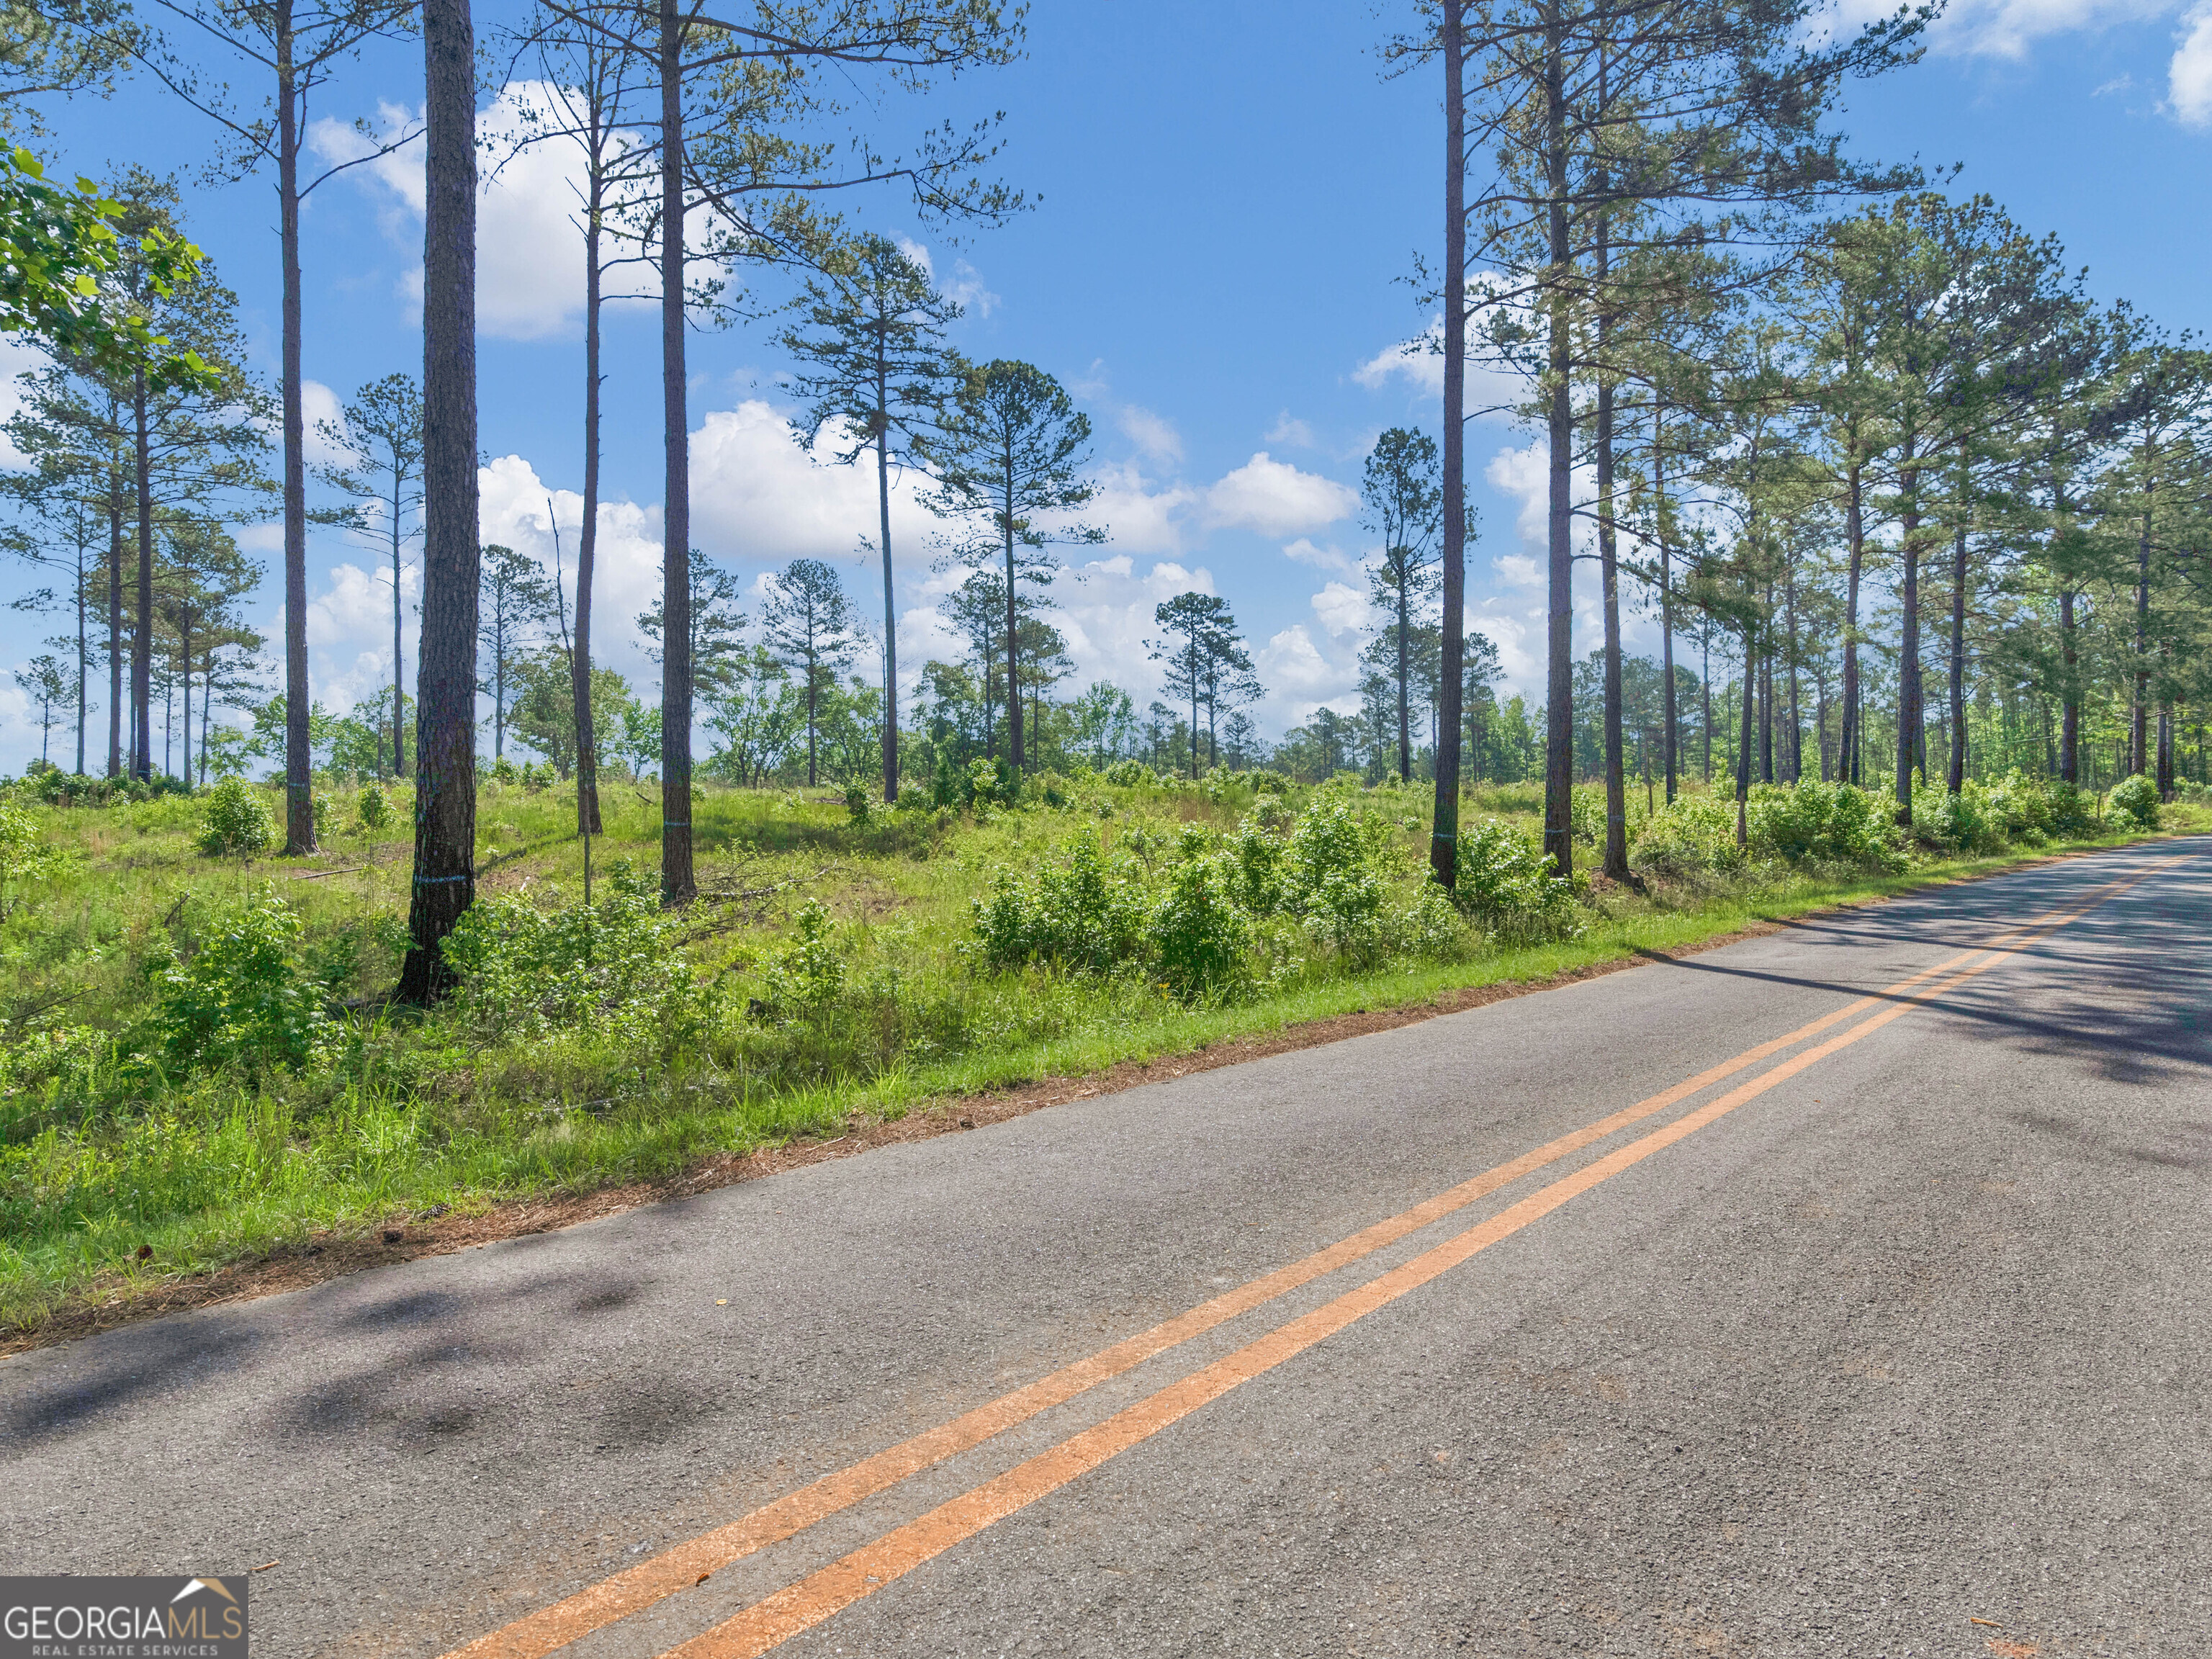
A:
[1616, 783]
[1743, 748]
[587, 537]
[1013, 658]
[446, 677]
[1767, 708]
[83, 645]
[1705, 691]
[1794, 757]
[299, 753]
[142, 640]
[1958, 774]
[398, 694]
[1443, 833]
[1405, 669]
[114, 622]
[1854, 540]
[2164, 778]
[677, 884]
[1668, 711]
[890, 612]
[1559, 686]
[2138, 733]
[2070, 719]
[1908, 656]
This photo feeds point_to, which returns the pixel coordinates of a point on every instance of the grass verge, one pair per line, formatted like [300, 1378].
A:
[291, 1201]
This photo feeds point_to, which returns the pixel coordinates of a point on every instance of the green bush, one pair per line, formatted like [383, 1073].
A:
[2135, 799]
[243, 998]
[2073, 811]
[1131, 774]
[1693, 835]
[23, 853]
[374, 807]
[1076, 914]
[805, 979]
[2020, 806]
[1958, 821]
[237, 820]
[611, 966]
[1202, 940]
[1503, 879]
[1824, 823]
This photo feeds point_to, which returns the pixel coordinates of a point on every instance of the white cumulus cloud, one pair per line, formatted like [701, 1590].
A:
[1277, 499]
[2189, 77]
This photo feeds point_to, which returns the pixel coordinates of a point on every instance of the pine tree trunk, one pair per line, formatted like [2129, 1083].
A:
[2139, 718]
[1766, 709]
[1668, 710]
[141, 636]
[446, 677]
[677, 883]
[587, 537]
[1559, 684]
[1013, 671]
[2070, 718]
[890, 612]
[1847, 743]
[1616, 782]
[83, 647]
[398, 694]
[114, 624]
[1908, 656]
[1444, 832]
[299, 752]
[1705, 691]
[1958, 772]
[1743, 748]
[1794, 756]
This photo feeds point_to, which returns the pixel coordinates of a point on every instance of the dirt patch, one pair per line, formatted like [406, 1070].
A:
[405, 1238]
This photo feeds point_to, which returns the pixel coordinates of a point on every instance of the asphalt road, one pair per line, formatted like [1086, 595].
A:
[1890, 1340]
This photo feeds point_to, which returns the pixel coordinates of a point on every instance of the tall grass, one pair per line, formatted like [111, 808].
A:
[832, 965]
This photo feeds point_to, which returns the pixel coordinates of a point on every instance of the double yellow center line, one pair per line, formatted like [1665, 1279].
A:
[820, 1595]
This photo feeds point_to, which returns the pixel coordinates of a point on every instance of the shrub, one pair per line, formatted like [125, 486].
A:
[1504, 879]
[1203, 941]
[985, 782]
[23, 853]
[2020, 806]
[2073, 811]
[237, 820]
[1586, 814]
[913, 798]
[805, 979]
[1076, 914]
[856, 801]
[610, 965]
[1131, 774]
[243, 998]
[1957, 821]
[1821, 823]
[374, 807]
[1693, 834]
[2135, 799]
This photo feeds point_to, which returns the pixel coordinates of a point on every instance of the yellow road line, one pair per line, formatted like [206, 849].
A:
[616, 1597]
[820, 1595]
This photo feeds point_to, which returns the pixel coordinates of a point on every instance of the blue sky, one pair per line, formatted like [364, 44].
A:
[1230, 197]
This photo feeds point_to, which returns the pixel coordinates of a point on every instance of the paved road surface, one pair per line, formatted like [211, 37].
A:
[1885, 1337]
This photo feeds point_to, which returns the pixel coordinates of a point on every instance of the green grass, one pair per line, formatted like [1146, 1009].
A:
[109, 1151]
